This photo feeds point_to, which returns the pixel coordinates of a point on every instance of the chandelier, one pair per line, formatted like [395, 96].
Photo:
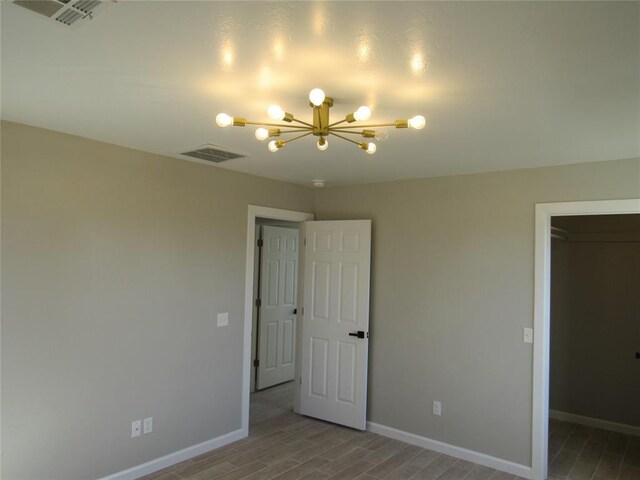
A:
[320, 127]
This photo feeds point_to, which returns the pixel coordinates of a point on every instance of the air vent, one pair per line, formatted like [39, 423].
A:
[66, 12]
[69, 16]
[213, 153]
[86, 6]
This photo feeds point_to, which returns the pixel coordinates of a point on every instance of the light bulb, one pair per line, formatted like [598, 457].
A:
[262, 133]
[417, 122]
[223, 120]
[322, 144]
[272, 146]
[371, 148]
[316, 96]
[362, 114]
[275, 112]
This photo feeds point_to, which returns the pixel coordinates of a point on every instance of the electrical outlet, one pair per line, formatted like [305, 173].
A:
[223, 319]
[147, 425]
[136, 426]
[437, 408]
[528, 335]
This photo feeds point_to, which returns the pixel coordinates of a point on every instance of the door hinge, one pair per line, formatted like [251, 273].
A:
[260, 243]
[300, 380]
[256, 363]
[302, 311]
[305, 241]
[258, 302]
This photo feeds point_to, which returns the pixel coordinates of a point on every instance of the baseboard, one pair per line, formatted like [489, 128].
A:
[176, 457]
[595, 422]
[452, 450]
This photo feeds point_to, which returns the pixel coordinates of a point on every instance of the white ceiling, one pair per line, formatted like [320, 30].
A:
[505, 85]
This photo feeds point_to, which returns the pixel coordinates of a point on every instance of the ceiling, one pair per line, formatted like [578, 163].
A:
[503, 85]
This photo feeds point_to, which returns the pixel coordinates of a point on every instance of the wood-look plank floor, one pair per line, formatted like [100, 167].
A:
[577, 452]
[285, 446]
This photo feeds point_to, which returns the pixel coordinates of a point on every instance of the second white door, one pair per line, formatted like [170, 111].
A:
[277, 320]
[335, 322]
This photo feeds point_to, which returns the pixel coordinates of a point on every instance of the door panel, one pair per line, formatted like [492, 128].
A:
[289, 282]
[277, 324]
[288, 341]
[318, 367]
[320, 291]
[348, 291]
[337, 264]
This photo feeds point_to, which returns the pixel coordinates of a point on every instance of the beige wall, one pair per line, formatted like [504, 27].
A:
[452, 289]
[115, 262]
[114, 265]
[595, 329]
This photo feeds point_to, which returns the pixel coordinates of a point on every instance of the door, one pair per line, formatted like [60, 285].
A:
[277, 318]
[335, 321]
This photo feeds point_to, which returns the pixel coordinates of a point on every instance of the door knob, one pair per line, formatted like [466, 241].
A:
[637, 355]
[359, 334]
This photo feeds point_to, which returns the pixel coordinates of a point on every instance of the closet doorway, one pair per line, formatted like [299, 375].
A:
[594, 387]
[544, 213]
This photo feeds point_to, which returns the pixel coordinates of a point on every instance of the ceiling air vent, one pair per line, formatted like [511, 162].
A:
[62, 11]
[213, 153]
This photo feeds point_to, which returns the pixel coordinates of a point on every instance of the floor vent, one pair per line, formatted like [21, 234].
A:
[66, 12]
[213, 153]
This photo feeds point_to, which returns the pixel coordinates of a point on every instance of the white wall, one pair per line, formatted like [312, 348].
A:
[452, 290]
[114, 265]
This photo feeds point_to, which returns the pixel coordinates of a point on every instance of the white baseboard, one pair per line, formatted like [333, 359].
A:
[595, 422]
[176, 457]
[452, 450]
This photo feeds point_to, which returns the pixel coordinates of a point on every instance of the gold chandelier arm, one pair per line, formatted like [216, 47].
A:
[279, 125]
[392, 124]
[343, 138]
[298, 137]
[337, 123]
[303, 123]
[344, 131]
[297, 130]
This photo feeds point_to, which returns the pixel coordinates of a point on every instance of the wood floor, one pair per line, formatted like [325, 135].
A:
[577, 452]
[285, 446]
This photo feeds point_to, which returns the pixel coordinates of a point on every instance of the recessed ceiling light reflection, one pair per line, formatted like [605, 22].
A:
[418, 63]
[364, 52]
[364, 48]
[320, 20]
[227, 56]
[278, 49]
[264, 77]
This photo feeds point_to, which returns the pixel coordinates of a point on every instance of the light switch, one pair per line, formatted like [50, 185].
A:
[147, 425]
[223, 319]
[528, 335]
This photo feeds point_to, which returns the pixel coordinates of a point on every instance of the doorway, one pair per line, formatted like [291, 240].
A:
[274, 315]
[542, 312]
[256, 215]
[594, 389]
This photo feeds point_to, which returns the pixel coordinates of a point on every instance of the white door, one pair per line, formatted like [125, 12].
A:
[335, 321]
[277, 318]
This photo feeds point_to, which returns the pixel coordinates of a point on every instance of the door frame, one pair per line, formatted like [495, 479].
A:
[542, 312]
[255, 212]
